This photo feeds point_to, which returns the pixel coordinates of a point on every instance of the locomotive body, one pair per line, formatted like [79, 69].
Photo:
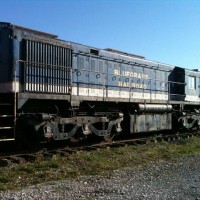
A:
[54, 89]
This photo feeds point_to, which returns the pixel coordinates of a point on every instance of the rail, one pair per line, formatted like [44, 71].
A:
[23, 156]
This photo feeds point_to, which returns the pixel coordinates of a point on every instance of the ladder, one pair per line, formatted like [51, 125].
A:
[7, 117]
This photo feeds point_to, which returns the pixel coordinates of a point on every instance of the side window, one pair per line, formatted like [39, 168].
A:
[192, 82]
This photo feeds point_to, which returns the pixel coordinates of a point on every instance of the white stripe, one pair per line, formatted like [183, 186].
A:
[45, 88]
[15, 86]
[9, 87]
[93, 92]
[192, 98]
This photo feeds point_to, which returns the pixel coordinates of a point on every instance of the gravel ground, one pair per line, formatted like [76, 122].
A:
[162, 180]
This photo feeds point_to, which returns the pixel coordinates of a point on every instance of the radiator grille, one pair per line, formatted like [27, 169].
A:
[47, 68]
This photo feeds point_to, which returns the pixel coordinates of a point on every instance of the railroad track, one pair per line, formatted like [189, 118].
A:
[21, 157]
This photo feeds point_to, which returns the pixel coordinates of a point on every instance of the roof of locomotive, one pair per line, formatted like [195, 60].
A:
[9, 25]
[106, 53]
[124, 53]
[34, 35]
[120, 57]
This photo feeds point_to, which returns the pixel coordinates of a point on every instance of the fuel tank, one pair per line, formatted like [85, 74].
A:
[154, 108]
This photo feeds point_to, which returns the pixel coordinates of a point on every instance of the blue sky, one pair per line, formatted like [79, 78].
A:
[167, 31]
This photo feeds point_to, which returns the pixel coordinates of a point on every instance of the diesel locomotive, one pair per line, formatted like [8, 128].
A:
[51, 89]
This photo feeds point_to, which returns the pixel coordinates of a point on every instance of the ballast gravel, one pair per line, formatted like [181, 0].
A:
[179, 180]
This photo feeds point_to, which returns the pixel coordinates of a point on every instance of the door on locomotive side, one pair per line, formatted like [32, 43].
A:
[177, 84]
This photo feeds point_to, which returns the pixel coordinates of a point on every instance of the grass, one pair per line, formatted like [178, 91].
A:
[92, 163]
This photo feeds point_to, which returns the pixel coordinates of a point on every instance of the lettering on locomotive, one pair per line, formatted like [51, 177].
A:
[131, 75]
[132, 85]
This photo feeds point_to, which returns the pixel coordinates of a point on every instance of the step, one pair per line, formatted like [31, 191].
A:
[6, 104]
[6, 115]
[7, 139]
[6, 127]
